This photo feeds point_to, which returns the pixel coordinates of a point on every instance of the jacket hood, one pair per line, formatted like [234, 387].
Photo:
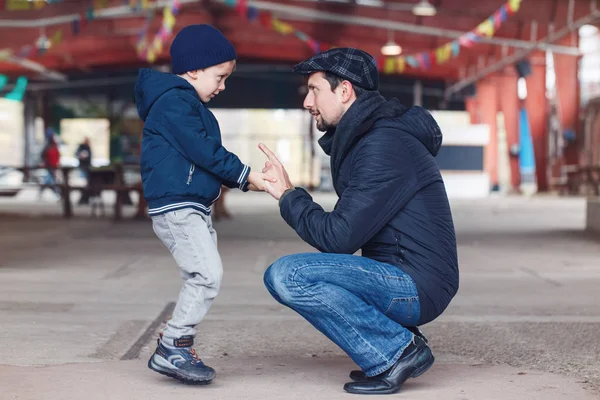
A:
[416, 121]
[152, 84]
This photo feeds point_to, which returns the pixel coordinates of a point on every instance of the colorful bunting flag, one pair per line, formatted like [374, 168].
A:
[5, 54]
[450, 50]
[151, 50]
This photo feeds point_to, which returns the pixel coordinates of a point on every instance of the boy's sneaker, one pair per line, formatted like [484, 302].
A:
[181, 362]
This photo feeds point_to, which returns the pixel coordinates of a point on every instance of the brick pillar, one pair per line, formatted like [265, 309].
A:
[567, 93]
[536, 105]
[487, 100]
[472, 108]
[508, 98]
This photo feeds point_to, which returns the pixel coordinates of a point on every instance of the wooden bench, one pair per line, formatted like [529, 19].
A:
[95, 189]
[580, 180]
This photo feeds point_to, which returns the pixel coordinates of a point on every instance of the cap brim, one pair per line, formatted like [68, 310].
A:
[305, 68]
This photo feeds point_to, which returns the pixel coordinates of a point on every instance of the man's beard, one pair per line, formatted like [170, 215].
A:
[323, 125]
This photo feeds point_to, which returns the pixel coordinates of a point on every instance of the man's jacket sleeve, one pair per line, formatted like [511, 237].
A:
[186, 132]
[382, 182]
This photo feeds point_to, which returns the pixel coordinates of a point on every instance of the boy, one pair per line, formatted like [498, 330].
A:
[183, 165]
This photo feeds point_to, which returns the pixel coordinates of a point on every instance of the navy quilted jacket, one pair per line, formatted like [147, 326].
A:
[183, 161]
[392, 201]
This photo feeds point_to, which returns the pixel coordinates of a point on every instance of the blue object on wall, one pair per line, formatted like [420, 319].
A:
[19, 90]
[3, 81]
[527, 156]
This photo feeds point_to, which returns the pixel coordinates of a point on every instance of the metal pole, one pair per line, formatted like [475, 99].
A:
[32, 65]
[291, 12]
[29, 125]
[301, 13]
[111, 12]
[418, 93]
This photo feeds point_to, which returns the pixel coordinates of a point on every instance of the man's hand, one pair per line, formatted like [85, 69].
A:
[257, 180]
[274, 168]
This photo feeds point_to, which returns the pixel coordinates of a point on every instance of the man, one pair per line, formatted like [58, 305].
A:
[84, 156]
[392, 205]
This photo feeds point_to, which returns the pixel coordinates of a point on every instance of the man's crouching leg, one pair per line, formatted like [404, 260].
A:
[346, 297]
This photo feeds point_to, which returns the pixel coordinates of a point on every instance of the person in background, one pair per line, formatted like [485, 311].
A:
[50, 160]
[84, 156]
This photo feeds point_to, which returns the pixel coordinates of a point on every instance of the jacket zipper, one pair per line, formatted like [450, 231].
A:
[192, 168]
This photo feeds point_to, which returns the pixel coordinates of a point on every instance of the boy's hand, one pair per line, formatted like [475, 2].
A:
[256, 181]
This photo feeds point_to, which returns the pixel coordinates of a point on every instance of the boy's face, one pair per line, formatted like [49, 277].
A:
[210, 81]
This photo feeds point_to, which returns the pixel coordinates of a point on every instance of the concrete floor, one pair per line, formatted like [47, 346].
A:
[81, 302]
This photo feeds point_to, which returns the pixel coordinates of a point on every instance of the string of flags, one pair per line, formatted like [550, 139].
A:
[148, 49]
[268, 20]
[43, 43]
[25, 5]
[440, 55]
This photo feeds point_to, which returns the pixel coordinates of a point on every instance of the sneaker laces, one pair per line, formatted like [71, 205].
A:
[195, 359]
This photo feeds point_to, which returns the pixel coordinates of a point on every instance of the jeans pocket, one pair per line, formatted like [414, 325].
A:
[404, 310]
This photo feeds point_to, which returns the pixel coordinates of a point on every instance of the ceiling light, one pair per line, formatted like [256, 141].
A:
[424, 9]
[391, 48]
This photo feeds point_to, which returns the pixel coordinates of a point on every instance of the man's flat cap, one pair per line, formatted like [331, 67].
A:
[354, 65]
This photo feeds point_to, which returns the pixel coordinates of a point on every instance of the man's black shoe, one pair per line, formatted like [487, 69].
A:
[359, 375]
[415, 360]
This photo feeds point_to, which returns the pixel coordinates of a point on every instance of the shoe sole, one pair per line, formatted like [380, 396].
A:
[156, 368]
[415, 374]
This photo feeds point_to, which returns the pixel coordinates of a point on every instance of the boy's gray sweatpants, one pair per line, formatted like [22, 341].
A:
[191, 239]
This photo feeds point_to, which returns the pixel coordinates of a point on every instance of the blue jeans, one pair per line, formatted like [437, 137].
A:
[361, 304]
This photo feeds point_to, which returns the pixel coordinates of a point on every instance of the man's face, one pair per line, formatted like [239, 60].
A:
[210, 81]
[323, 103]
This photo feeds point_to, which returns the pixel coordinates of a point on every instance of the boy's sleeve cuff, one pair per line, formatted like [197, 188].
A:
[243, 179]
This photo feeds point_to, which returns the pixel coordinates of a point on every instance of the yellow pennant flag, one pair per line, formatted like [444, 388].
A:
[151, 57]
[442, 54]
[157, 45]
[282, 27]
[5, 54]
[168, 18]
[39, 4]
[389, 66]
[17, 5]
[99, 4]
[56, 38]
[514, 5]
[400, 65]
[486, 28]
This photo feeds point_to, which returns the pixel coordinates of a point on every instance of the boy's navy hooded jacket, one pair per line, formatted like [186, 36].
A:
[392, 200]
[183, 162]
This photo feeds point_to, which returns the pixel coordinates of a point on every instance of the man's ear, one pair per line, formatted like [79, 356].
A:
[347, 91]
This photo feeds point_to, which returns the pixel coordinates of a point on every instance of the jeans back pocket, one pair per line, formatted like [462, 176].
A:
[404, 310]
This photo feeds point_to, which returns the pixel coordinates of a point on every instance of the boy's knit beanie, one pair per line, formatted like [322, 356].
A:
[198, 47]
